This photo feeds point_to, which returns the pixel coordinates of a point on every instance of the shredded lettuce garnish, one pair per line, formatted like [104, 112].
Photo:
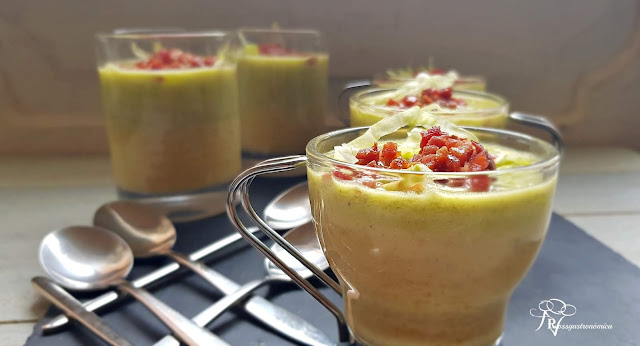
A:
[419, 118]
[504, 158]
[139, 52]
[405, 182]
[409, 72]
[400, 73]
[414, 87]
[224, 54]
[252, 48]
[243, 40]
[143, 54]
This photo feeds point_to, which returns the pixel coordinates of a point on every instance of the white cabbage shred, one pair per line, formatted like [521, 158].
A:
[415, 86]
[419, 118]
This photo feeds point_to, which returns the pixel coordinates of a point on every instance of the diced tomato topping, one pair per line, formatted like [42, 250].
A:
[367, 181]
[453, 164]
[443, 97]
[365, 178]
[462, 155]
[155, 63]
[461, 151]
[479, 183]
[367, 155]
[426, 136]
[439, 151]
[428, 149]
[399, 163]
[209, 61]
[389, 153]
[445, 93]
[273, 49]
[456, 182]
[338, 173]
[393, 103]
[410, 101]
[478, 162]
[438, 141]
[442, 152]
[174, 59]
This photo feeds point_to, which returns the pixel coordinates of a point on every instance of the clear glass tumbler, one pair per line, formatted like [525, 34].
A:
[422, 258]
[283, 85]
[170, 104]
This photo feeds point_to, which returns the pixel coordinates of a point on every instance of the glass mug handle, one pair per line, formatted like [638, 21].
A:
[541, 123]
[355, 85]
[239, 191]
[348, 89]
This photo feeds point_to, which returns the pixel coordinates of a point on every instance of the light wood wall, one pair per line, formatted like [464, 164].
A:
[576, 61]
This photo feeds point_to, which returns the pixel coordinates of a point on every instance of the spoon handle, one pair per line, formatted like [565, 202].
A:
[278, 318]
[211, 313]
[74, 309]
[216, 279]
[185, 329]
[111, 296]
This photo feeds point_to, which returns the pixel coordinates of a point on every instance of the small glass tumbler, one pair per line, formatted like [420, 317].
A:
[283, 85]
[422, 258]
[170, 104]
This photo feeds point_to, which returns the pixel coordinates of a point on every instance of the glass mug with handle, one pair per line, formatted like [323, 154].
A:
[481, 109]
[438, 94]
[422, 257]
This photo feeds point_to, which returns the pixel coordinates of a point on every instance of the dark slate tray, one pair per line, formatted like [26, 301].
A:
[572, 266]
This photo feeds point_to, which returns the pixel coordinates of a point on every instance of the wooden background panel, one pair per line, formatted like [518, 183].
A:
[576, 61]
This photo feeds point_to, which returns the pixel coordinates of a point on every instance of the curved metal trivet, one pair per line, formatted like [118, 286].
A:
[240, 188]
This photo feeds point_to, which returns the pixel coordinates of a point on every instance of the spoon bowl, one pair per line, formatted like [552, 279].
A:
[85, 258]
[147, 231]
[304, 239]
[290, 209]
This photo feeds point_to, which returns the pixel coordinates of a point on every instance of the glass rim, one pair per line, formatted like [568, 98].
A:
[502, 106]
[462, 79]
[279, 31]
[553, 159]
[153, 33]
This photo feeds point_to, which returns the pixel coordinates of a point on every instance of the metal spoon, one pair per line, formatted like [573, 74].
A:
[302, 238]
[299, 190]
[150, 233]
[86, 258]
[289, 209]
[74, 309]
